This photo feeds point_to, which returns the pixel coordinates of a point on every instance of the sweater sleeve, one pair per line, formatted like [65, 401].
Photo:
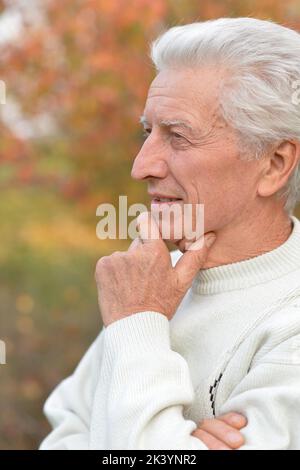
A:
[142, 389]
[269, 396]
[68, 408]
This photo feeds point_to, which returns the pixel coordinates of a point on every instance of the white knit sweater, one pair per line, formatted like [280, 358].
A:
[233, 345]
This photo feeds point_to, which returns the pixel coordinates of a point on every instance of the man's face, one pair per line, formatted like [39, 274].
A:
[198, 164]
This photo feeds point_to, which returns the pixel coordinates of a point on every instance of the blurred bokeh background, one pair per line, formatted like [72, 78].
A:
[77, 74]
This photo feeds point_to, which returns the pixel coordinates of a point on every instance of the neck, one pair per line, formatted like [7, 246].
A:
[244, 239]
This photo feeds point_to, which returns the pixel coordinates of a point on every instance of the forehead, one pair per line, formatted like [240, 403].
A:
[183, 93]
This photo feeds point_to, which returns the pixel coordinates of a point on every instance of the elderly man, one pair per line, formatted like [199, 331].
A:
[195, 341]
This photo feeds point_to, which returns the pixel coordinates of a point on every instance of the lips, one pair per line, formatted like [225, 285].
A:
[164, 202]
[159, 200]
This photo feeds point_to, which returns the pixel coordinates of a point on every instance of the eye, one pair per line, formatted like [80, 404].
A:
[146, 133]
[177, 136]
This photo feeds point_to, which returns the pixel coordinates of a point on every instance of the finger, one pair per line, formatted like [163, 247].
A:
[210, 441]
[147, 228]
[223, 432]
[192, 260]
[150, 235]
[136, 242]
[236, 420]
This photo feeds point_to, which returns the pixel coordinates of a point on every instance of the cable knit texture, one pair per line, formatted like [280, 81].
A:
[233, 345]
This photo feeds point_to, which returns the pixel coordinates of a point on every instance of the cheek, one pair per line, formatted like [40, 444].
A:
[227, 197]
[201, 175]
[224, 192]
[214, 177]
[187, 174]
[226, 187]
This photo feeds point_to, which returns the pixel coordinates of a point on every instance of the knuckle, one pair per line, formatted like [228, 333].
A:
[108, 263]
[101, 264]
[240, 440]
[231, 416]
[234, 440]
[116, 254]
[234, 419]
[154, 253]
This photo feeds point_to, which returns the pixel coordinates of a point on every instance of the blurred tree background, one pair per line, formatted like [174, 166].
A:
[77, 74]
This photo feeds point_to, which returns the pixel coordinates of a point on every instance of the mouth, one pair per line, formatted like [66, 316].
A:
[162, 199]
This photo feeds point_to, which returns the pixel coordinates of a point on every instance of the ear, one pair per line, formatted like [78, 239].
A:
[280, 165]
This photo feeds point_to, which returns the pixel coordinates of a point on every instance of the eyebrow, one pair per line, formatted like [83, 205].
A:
[169, 123]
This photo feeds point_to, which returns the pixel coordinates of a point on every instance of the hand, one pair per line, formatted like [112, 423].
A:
[143, 278]
[222, 433]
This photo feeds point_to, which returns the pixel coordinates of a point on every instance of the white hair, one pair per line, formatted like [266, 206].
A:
[258, 96]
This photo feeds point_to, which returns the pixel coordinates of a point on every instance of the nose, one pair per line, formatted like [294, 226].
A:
[149, 163]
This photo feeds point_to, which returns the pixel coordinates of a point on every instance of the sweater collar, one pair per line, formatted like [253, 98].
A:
[262, 268]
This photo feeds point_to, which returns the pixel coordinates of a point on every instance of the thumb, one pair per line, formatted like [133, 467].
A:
[192, 260]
